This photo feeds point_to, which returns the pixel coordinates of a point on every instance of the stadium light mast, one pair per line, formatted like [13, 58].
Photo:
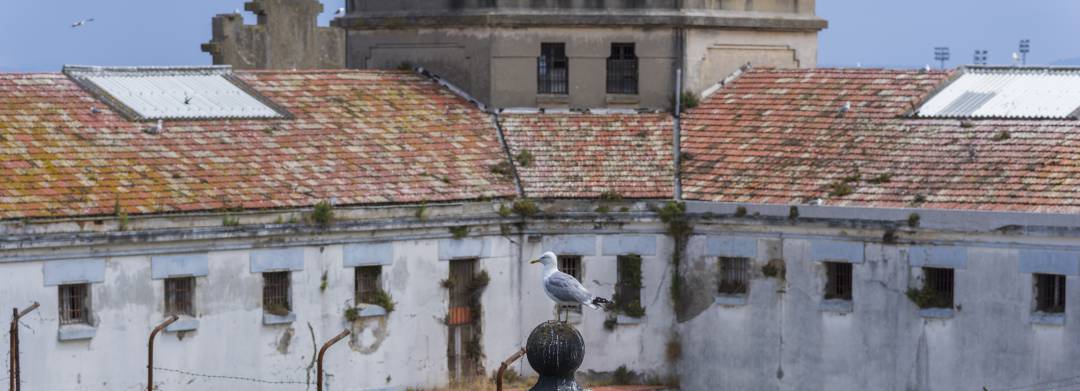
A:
[981, 57]
[1025, 48]
[941, 54]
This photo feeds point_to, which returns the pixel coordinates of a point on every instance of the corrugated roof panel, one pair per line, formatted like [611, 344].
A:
[174, 93]
[995, 92]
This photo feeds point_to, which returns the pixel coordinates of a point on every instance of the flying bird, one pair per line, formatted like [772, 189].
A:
[339, 12]
[564, 289]
[81, 23]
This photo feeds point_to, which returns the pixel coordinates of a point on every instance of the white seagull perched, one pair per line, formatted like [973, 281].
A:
[81, 23]
[563, 288]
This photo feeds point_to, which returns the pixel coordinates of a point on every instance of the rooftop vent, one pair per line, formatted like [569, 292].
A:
[1007, 92]
[174, 93]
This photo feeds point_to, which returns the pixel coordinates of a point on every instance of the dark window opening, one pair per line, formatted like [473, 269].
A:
[75, 304]
[553, 69]
[367, 283]
[276, 293]
[571, 264]
[180, 296]
[628, 285]
[622, 69]
[838, 282]
[1050, 293]
[938, 283]
[733, 275]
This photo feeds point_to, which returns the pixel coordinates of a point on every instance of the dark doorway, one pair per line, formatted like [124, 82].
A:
[462, 320]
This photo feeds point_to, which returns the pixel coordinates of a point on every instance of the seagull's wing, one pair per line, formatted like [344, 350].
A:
[566, 288]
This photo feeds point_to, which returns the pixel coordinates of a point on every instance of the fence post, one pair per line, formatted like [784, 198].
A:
[318, 372]
[14, 375]
[150, 351]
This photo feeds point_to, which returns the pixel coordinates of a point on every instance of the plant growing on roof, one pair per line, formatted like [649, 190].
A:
[505, 211]
[421, 211]
[323, 214]
[524, 158]
[913, 220]
[610, 195]
[502, 169]
[840, 189]
[880, 179]
[793, 213]
[525, 207]
[740, 211]
[459, 232]
[629, 281]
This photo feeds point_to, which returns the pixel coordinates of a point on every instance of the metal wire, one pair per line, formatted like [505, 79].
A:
[227, 377]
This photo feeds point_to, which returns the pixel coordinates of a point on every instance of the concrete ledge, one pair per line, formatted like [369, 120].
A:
[1046, 319]
[629, 320]
[463, 248]
[368, 254]
[644, 245]
[936, 313]
[184, 324]
[370, 310]
[74, 271]
[835, 305]
[272, 319]
[536, 18]
[75, 332]
[730, 300]
[571, 244]
[622, 99]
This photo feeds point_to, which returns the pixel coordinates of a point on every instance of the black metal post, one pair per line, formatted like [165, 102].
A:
[555, 350]
[318, 371]
[150, 351]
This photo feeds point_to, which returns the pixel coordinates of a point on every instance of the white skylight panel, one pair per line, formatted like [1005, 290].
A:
[1051, 93]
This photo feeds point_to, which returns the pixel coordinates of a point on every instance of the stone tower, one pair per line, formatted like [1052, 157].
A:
[286, 36]
[580, 53]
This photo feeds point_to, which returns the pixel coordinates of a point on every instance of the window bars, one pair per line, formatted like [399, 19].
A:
[1050, 293]
[571, 264]
[276, 293]
[180, 296]
[75, 304]
[734, 273]
[838, 283]
[939, 283]
[367, 283]
[622, 69]
[553, 70]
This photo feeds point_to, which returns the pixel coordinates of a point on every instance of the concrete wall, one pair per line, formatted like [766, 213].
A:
[712, 55]
[287, 36]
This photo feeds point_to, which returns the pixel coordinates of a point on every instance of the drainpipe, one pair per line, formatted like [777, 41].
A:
[319, 371]
[14, 376]
[150, 351]
[677, 136]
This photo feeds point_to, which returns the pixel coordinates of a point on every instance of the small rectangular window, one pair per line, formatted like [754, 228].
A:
[838, 280]
[938, 284]
[553, 69]
[571, 264]
[276, 287]
[180, 296]
[628, 285]
[733, 275]
[622, 69]
[75, 304]
[1050, 293]
[368, 283]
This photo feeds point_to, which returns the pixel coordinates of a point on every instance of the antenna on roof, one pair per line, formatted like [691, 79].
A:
[941, 54]
[1025, 48]
[980, 57]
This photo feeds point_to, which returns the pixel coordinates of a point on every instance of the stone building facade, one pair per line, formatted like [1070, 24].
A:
[554, 54]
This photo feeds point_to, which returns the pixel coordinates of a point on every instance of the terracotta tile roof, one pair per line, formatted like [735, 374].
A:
[362, 137]
[776, 136]
[579, 155]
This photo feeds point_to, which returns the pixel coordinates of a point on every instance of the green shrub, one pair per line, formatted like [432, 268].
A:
[459, 232]
[323, 214]
[913, 220]
[524, 158]
[927, 298]
[740, 211]
[525, 207]
[382, 299]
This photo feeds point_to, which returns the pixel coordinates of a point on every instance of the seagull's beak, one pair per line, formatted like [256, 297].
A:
[534, 261]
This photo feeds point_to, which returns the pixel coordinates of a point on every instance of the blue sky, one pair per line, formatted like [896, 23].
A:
[36, 35]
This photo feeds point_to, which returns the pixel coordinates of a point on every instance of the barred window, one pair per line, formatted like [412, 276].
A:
[276, 287]
[734, 273]
[838, 280]
[75, 304]
[552, 69]
[367, 283]
[938, 283]
[571, 264]
[180, 296]
[622, 69]
[1050, 293]
[628, 285]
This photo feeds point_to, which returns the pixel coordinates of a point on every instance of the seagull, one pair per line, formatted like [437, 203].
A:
[563, 288]
[81, 23]
[155, 129]
[339, 12]
[846, 107]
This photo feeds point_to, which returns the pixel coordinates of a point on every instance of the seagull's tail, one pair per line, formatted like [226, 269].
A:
[600, 303]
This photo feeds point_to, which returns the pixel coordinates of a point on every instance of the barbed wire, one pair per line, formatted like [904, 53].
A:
[235, 378]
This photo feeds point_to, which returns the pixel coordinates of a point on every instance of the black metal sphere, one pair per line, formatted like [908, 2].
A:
[555, 349]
